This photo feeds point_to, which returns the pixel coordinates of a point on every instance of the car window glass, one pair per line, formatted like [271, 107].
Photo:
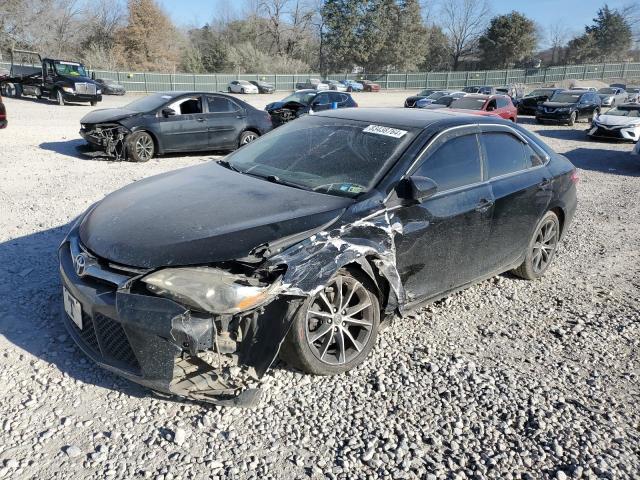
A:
[454, 164]
[504, 153]
[502, 103]
[532, 158]
[491, 105]
[220, 105]
[322, 100]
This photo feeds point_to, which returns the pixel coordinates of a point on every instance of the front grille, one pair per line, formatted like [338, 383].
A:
[603, 132]
[88, 333]
[114, 342]
[409, 103]
[86, 88]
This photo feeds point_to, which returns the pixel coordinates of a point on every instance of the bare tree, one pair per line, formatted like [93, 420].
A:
[557, 36]
[464, 21]
[631, 13]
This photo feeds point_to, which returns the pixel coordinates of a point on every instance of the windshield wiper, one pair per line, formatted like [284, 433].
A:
[277, 179]
[227, 164]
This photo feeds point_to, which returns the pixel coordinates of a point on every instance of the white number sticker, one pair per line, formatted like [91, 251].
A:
[388, 131]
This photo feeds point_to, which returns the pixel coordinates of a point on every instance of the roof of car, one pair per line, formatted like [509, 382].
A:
[402, 117]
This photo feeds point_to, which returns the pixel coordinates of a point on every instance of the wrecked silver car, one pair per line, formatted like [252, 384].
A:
[303, 242]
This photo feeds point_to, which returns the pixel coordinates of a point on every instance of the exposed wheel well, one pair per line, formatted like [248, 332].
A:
[251, 129]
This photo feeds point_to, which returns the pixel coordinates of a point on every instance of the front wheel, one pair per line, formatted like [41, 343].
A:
[94, 103]
[541, 248]
[229, 89]
[59, 97]
[140, 147]
[336, 328]
[573, 118]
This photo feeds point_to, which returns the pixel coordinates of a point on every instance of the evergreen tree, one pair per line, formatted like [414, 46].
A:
[508, 40]
[611, 33]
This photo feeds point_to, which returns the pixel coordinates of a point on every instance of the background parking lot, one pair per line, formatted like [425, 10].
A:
[508, 379]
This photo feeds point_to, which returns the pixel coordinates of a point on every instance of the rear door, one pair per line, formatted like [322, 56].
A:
[225, 121]
[521, 188]
[187, 129]
[443, 239]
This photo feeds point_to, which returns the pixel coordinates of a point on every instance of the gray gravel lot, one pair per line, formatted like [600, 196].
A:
[507, 380]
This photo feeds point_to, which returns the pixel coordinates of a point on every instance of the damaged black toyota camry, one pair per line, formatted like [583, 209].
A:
[304, 243]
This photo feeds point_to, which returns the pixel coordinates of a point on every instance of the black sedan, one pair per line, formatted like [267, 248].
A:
[569, 107]
[307, 101]
[110, 87]
[528, 105]
[263, 87]
[410, 101]
[174, 122]
[304, 242]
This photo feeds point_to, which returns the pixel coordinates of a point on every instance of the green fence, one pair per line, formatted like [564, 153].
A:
[154, 82]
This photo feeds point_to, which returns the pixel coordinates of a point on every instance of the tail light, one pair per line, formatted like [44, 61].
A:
[574, 177]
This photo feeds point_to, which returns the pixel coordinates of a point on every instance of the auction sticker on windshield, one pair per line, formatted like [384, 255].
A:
[388, 131]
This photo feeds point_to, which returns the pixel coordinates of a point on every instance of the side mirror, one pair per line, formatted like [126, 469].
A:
[416, 188]
[168, 112]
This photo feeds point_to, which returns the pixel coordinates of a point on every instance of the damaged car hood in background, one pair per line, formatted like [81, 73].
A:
[151, 224]
[108, 115]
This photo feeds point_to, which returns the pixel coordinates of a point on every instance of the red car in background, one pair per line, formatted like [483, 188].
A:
[489, 105]
[3, 114]
[369, 86]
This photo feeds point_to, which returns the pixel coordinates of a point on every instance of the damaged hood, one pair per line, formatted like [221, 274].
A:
[108, 115]
[201, 214]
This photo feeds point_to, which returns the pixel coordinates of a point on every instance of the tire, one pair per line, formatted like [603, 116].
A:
[594, 114]
[247, 137]
[573, 118]
[541, 249]
[347, 339]
[94, 103]
[349, 89]
[140, 147]
[242, 91]
[229, 89]
[59, 98]
[18, 90]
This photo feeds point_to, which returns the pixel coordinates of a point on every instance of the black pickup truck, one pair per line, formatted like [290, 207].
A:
[59, 80]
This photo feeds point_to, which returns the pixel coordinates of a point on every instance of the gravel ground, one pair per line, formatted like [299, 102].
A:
[508, 379]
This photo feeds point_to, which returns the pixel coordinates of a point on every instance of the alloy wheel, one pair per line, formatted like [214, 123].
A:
[339, 321]
[544, 246]
[248, 138]
[144, 147]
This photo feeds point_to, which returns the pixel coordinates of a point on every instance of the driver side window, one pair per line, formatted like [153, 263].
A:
[453, 164]
[491, 106]
[322, 100]
[186, 106]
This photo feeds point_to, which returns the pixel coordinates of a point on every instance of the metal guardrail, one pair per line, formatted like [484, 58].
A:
[156, 82]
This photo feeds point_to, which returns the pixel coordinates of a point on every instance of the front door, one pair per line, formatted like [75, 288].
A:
[187, 129]
[521, 187]
[443, 240]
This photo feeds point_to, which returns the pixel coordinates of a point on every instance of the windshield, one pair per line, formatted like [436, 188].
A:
[623, 111]
[151, 102]
[437, 95]
[300, 97]
[540, 93]
[469, 103]
[335, 156]
[425, 93]
[607, 91]
[566, 97]
[70, 69]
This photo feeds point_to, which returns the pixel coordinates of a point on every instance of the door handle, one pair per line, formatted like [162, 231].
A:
[200, 119]
[484, 205]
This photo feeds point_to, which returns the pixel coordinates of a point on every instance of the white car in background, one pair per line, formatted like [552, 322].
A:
[241, 86]
[620, 123]
[335, 85]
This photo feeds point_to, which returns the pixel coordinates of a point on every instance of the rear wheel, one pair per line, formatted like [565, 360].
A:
[541, 249]
[229, 89]
[242, 90]
[247, 137]
[336, 328]
[140, 147]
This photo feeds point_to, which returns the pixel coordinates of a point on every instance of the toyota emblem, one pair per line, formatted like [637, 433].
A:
[80, 263]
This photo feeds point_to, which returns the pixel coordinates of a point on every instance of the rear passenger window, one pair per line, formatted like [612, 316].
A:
[533, 159]
[454, 164]
[220, 105]
[505, 153]
[503, 103]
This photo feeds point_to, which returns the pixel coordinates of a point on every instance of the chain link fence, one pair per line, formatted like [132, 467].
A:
[158, 82]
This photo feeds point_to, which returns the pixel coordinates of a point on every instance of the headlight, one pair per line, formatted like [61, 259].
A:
[210, 289]
[68, 89]
[563, 109]
[98, 92]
